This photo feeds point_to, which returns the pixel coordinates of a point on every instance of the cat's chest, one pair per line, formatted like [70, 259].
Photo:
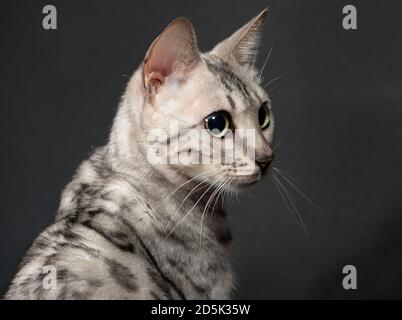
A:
[198, 275]
[198, 266]
[190, 248]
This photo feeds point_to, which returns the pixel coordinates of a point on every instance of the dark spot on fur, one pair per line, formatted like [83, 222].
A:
[158, 281]
[122, 275]
[226, 75]
[63, 274]
[94, 212]
[81, 295]
[231, 102]
[122, 245]
[155, 296]
[41, 243]
[119, 235]
[95, 283]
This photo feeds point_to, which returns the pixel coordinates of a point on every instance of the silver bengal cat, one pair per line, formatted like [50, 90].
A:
[128, 228]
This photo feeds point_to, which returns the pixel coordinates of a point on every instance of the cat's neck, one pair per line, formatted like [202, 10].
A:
[172, 195]
[177, 204]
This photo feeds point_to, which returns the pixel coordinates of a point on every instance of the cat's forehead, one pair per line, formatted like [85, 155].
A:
[241, 84]
[213, 86]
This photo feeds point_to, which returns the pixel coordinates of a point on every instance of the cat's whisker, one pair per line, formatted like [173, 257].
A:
[233, 192]
[217, 192]
[281, 195]
[282, 164]
[286, 170]
[293, 205]
[219, 196]
[266, 86]
[227, 192]
[180, 186]
[272, 81]
[236, 194]
[204, 183]
[237, 197]
[284, 201]
[185, 216]
[265, 63]
[208, 205]
[298, 190]
[287, 174]
[274, 148]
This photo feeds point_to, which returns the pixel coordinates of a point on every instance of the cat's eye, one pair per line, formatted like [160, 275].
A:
[264, 117]
[217, 123]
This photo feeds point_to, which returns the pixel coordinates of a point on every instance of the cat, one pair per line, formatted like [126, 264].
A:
[130, 229]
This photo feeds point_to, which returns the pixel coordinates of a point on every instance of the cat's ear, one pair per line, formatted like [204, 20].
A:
[173, 53]
[243, 44]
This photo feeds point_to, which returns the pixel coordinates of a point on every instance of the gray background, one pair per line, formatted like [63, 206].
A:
[338, 117]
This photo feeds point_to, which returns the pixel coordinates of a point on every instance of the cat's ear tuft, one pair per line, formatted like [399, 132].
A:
[243, 44]
[173, 52]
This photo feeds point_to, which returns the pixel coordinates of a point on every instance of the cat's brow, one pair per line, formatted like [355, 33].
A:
[230, 80]
[231, 102]
[226, 76]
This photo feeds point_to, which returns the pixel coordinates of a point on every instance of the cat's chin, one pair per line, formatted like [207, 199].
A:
[244, 182]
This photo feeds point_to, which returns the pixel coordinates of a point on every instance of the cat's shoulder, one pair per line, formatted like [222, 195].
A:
[77, 262]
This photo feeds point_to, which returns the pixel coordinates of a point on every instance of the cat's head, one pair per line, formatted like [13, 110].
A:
[187, 93]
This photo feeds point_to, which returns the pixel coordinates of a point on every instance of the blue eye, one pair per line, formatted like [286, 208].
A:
[264, 117]
[217, 123]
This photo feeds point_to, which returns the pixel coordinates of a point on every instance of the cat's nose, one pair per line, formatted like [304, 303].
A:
[265, 163]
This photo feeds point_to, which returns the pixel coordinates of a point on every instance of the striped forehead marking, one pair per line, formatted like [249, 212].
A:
[229, 79]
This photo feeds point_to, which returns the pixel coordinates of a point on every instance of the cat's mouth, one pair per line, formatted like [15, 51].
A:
[246, 180]
[243, 181]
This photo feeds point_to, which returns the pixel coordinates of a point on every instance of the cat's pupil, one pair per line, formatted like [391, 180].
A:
[263, 116]
[216, 122]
